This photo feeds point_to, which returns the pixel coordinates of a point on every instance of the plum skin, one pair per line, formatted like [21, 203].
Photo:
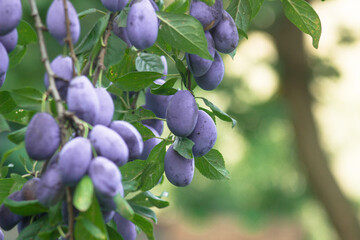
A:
[4, 63]
[204, 135]
[182, 113]
[28, 191]
[121, 32]
[55, 21]
[106, 107]
[157, 103]
[214, 76]
[149, 144]
[42, 137]
[9, 40]
[114, 5]
[8, 219]
[208, 16]
[125, 227]
[10, 15]
[178, 170]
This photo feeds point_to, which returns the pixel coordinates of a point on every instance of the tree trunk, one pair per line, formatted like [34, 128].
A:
[295, 77]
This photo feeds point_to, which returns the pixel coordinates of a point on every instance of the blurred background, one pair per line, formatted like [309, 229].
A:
[294, 155]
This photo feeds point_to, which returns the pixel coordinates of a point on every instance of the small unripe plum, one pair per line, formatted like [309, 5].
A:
[149, 144]
[106, 107]
[121, 32]
[125, 227]
[114, 5]
[82, 99]
[131, 136]
[214, 76]
[10, 15]
[42, 137]
[2, 79]
[108, 215]
[198, 65]
[204, 135]
[50, 189]
[225, 34]
[182, 113]
[208, 16]
[163, 60]
[109, 144]
[8, 219]
[142, 24]
[4, 63]
[56, 23]
[62, 66]
[9, 40]
[74, 160]
[178, 170]
[157, 103]
[28, 191]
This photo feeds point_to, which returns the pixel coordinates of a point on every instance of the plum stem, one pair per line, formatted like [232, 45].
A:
[71, 214]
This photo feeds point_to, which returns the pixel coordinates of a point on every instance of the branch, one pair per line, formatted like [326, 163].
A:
[70, 233]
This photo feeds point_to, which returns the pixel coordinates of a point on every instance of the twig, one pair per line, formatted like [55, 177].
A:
[100, 64]
[133, 104]
[70, 233]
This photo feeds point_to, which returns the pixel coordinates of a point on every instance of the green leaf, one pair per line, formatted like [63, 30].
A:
[178, 6]
[147, 62]
[132, 170]
[26, 33]
[28, 98]
[302, 15]
[218, 112]
[130, 186]
[17, 55]
[240, 11]
[7, 103]
[149, 200]
[121, 19]
[139, 114]
[6, 184]
[184, 33]
[83, 194]
[180, 66]
[115, 51]
[212, 166]
[55, 214]
[19, 116]
[136, 81]
[208, 2]
[154, 168]
[123, 207]
[145, 132]
[113, 234]
[144, 211]
[87, 12]
[9, 152]
[17, 136]
[4, 126]
[165, 89]
[145, 225]
[91, 228]
[25, 208]
[125, 66]
[31, 231]
[255, 7]
[183, 146]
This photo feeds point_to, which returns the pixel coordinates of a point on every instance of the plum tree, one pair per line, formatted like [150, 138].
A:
[114, 5]
[204, 134]
[157, 103]
[8, 220]
[82, 99]
[56, 23]
[42, 137]
[109, 144]
[9, 40]
[182, 113]
[149, 144]
[106, 106]
[225, 34]
[125, 227]
[142, 24]
[10, 15]
[179, 170]
[207, 15]
[131, 136]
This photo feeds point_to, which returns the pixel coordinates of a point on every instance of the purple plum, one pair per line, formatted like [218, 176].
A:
[9, 40]
[10, 15]
[108, 215]
[204, 135]
[121, 32]
[163, 60]
[106, 106]
[8, 219]
[149, 144]
[2, 79]
[125, 227]
[114, 5]
[182, 113]
[28, 191]
[42, 137]
[156, 124]
[214, 76]
[1, 235]
[109, 144]
[4, 63]
[208, 16]
[157, 103]
[56, 23]
[142, 24]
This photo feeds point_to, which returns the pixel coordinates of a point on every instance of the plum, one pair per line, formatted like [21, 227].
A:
[142, 24]
[163, 60]
[157, 103]
[4, 63]
[8, 219]
[82, 99]
[74, 160]
[1, 235]
[28, 191]
[23, 224]
[214, 76]
[50, 189]
[198, 65]
[42, 137]
[56, 23]
[131, 136]
[121, 32]
[178, 170]
[149, 144]
[225, 34]
[182, 113]
[106, 106]
[10, 15]
[156, 124]
[105, 176]
[204, 135]
[109, 144]
[9, 40]
[2, 79]
[62, 66]
[108, 215]
[114, 5]
[208, 16]
[125, 227]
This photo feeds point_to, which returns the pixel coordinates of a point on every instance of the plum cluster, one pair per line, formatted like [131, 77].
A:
[221, 35]
[10, 16]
